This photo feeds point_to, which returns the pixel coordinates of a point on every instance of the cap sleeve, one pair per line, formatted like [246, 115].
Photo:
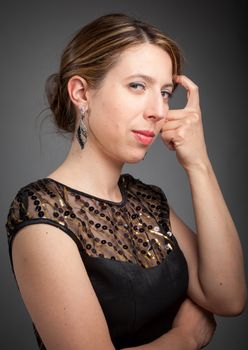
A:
[34, 207]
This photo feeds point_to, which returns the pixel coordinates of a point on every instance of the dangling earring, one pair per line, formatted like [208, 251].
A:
[82, 129]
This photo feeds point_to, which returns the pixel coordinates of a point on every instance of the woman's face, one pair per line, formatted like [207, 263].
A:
[127, 101]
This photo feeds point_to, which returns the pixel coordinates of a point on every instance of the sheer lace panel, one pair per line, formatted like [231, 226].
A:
[136, 230]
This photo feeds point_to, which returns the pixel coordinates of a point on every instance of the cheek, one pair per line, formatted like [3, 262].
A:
[116, 115]
[167, 108]
[109, 122]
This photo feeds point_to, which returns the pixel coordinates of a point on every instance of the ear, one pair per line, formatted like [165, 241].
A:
[77, 90]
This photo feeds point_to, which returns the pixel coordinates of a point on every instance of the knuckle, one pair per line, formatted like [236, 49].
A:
[180, 133]
[194, 116]
[191, 117]
[188, 121]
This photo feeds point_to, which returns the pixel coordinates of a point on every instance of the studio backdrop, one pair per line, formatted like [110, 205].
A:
[213, 39]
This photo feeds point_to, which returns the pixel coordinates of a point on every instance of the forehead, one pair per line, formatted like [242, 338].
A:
[146, 59]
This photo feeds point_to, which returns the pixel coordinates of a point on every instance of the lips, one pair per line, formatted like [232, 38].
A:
[145, 132]
[144, 136]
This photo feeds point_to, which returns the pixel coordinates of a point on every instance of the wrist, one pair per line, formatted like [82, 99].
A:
[204, 167]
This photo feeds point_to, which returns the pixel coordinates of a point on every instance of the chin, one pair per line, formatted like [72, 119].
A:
[135, 158]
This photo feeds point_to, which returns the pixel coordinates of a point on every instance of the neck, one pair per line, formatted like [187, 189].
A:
[90, 170]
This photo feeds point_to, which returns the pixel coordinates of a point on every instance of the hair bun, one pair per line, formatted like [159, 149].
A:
[57, 100]
[52, 92]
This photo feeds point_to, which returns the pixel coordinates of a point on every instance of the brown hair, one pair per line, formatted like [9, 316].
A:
[93, 51]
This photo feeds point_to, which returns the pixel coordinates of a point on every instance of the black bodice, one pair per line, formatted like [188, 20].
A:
[133, 260]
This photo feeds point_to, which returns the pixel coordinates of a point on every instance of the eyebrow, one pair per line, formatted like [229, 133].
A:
[149, 79]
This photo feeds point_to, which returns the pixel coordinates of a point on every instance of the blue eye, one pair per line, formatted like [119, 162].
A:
[134, 85]
[167, 94]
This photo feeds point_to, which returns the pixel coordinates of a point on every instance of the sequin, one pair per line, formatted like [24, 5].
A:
[168, 247]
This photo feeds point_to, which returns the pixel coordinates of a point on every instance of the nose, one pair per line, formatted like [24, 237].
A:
[156, 108]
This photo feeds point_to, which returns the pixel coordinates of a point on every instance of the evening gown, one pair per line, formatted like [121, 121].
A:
[132, 257]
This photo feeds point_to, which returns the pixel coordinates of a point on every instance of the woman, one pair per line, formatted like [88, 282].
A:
[134, 275]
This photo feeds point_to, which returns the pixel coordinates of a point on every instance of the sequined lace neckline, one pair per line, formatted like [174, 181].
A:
[121, 184]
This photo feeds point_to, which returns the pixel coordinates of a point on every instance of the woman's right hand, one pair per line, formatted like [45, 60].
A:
[195, 322]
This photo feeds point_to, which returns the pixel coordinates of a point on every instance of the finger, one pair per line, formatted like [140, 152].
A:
[192, 90]
[169, 138]
[171, 125]
[175, 114]
[170, 145]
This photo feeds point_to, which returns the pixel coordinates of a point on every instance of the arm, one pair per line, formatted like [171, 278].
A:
[174, 339]
[192, 329]
[220, 258]
[57, 291]
[214, 254]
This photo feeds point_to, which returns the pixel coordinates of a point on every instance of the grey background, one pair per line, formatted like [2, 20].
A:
[213, 40]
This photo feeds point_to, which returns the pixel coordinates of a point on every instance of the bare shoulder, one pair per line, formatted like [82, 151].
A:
[57, 291]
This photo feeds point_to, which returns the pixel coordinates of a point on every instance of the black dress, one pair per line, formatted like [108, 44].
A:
[133, 260]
